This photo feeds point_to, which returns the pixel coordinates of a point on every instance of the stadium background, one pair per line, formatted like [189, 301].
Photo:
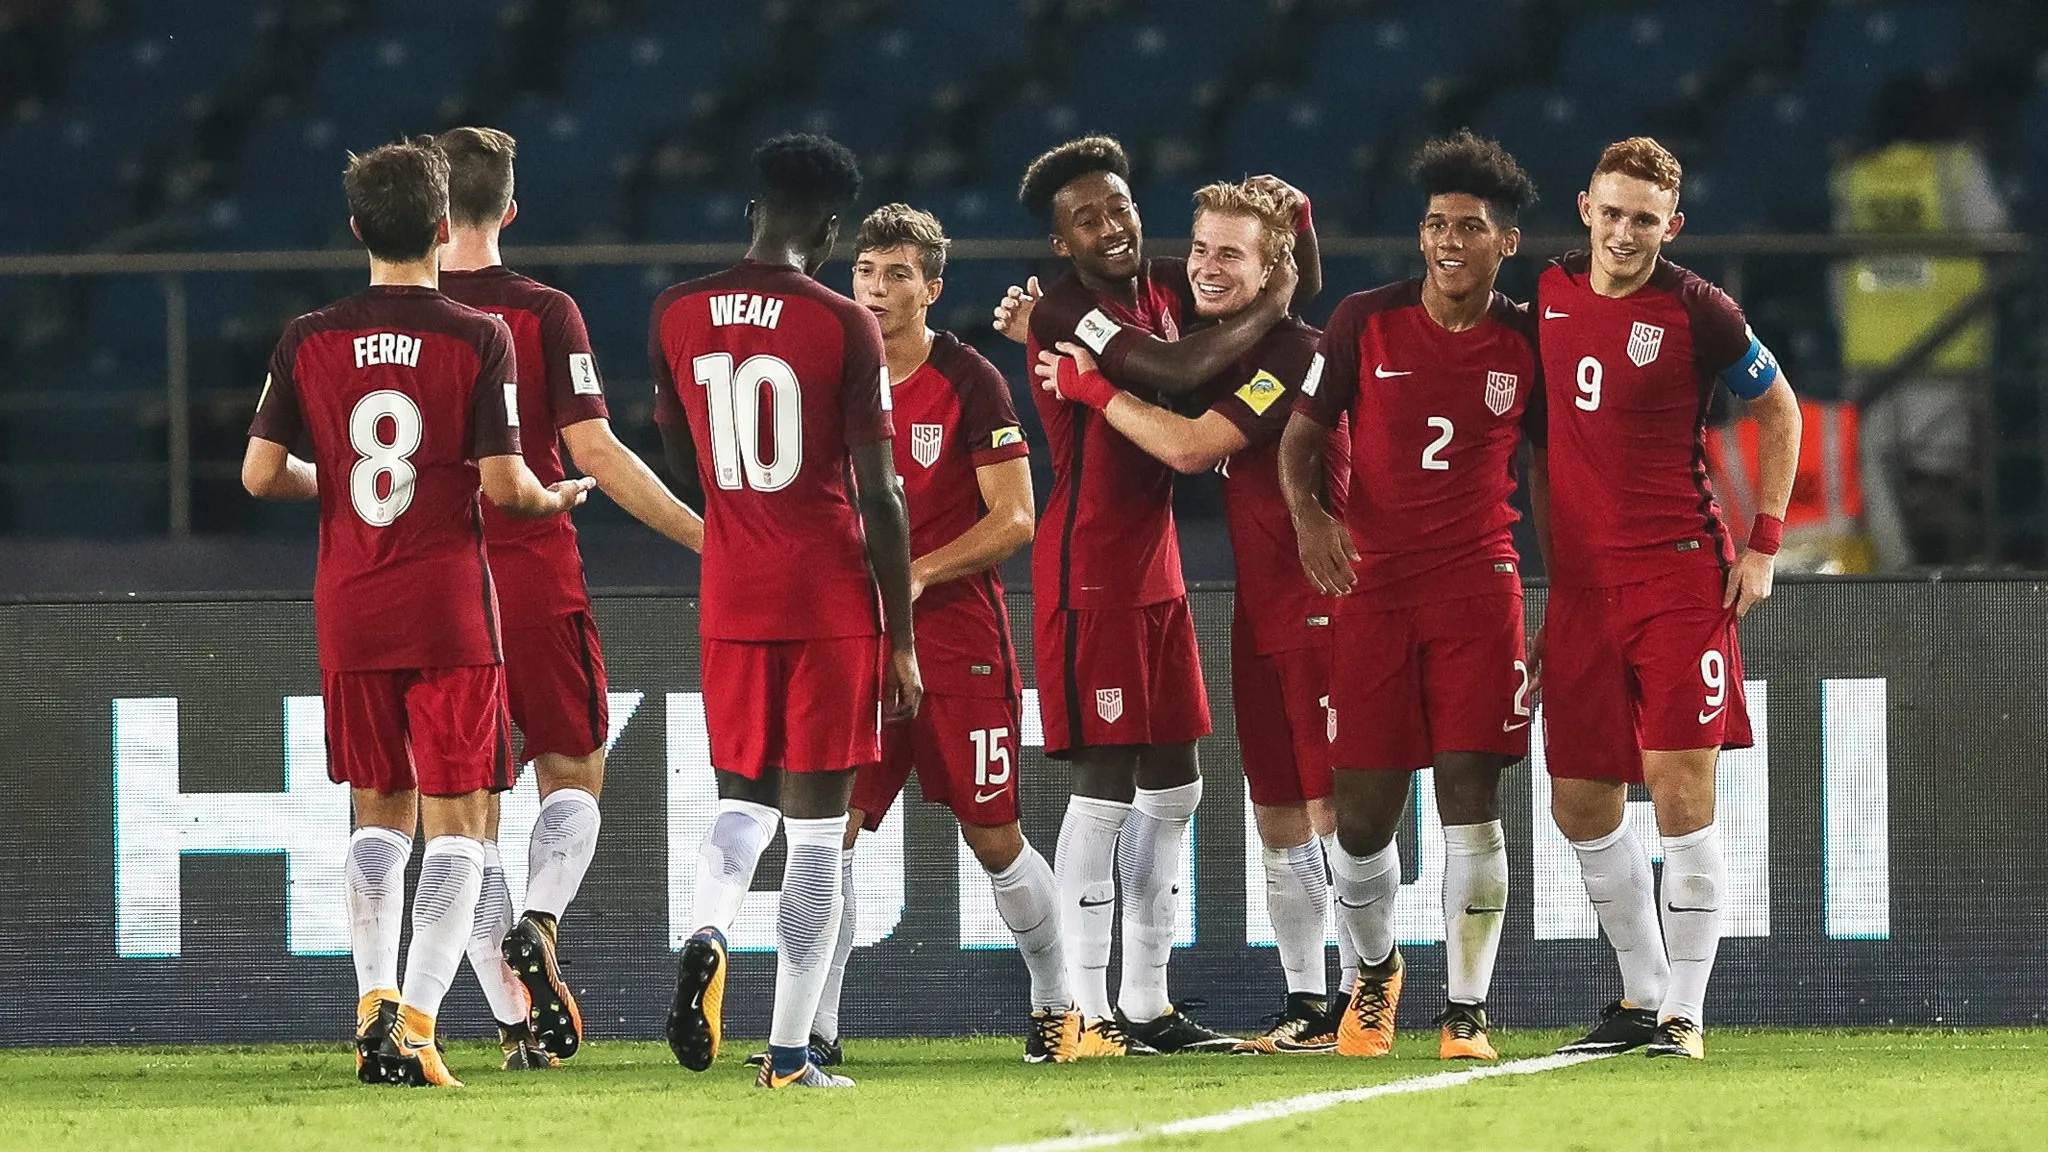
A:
[169, 195]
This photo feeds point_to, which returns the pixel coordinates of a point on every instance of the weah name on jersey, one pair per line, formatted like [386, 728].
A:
[745, 308]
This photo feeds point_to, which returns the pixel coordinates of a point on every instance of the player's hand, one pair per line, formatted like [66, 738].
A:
[1013, 311]
[1535, 663]
[1327, 553]
[1749, 582]
[1282, 280]
[1048, 366]
[902, 687]
[919, 574]
[1289, 196]
[569, 493]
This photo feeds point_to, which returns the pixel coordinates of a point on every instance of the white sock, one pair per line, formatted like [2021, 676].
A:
[375, 878]
[1475, 903]
[726, 861]
[506, 994]
[1148, 853]
[1347, 948]
[1084, 866]
[1298, 904]
[559, 851]
[1694, 876]
[826, 1022]
[1027, 897]
[806, 923]
[443, 910]
[1365, 887]
[1617, 874]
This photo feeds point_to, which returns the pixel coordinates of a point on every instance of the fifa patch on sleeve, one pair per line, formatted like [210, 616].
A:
[583, 375]
[511, 404]
[1314, 379]
[1095, 330]
[1753, 372]
[1004, 437]
[1260, 391]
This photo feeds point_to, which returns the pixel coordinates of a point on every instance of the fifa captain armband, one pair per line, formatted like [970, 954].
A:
[1753, 372]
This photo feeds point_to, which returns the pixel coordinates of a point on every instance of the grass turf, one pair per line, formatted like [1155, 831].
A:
[1809, 1090]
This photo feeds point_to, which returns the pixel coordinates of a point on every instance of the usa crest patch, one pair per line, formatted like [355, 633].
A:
[924, 443]
[1109, 704]
[1500, 391]
[1643, 342]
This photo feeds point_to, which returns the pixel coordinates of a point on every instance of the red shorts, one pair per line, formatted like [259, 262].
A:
[1642, 666]
[1119, 676]
[1281, 702]
[442, 731]
[554, 682]
[797, 705]
[965, 751]
[1409, 683]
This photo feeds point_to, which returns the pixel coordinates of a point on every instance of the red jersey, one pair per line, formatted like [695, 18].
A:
[1274, 598]
[1106, 537]
[957, 416]
[1624, 413]
[1435, 416]
[399, 390]
[534, 560]
[777, 377]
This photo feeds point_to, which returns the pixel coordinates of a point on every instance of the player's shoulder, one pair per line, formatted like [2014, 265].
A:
[1355, 308]
[1704, 302]
[1290, 336]
[961, 362]
[1516, 317]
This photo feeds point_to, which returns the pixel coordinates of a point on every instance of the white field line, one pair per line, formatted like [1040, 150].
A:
[1297, 1105]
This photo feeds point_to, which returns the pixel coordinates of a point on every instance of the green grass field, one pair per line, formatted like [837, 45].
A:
[1808, 1090]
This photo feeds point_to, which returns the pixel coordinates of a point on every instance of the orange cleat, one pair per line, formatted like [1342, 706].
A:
[1367, 1027]
[1463, 1035]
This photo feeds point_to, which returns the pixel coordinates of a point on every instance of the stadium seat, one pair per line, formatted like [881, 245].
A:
[1771, 154]
[1557, 137]
[637, 80]
[567, 173]
[378, 88]
[1670, 50]
[288, 186]
[1138, 81]
[55, 179]
[1851, 50]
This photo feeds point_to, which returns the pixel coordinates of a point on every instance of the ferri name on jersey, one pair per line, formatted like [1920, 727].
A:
[387, 348]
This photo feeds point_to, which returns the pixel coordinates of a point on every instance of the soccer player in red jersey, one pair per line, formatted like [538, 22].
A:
[967, 480]
[1280, 622]
[1427, 663]
[407, 399]
[770, 388]
[1118, 672]
[1642, 677]
[554, 665]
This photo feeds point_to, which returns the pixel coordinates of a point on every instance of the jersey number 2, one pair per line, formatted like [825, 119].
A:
[733, 397]
[377, 458]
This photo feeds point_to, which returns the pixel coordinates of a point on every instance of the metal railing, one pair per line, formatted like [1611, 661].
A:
[1730, 256]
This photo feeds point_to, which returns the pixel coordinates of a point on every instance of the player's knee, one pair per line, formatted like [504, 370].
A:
[1282, 825]
[995, 846]
[558, 771]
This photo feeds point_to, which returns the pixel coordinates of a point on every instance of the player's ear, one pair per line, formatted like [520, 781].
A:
[441, 230]
[1585, 210]
[1510, 242]
[1673, 226]
[511, 214]
[353, 230]
[932, 288]
[1059, 246]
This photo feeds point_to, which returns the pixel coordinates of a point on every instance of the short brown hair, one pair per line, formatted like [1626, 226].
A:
[479, 173]
[1643, 158]
[1062, 165]
[892, 225]
[397, 195]
[1276, 223]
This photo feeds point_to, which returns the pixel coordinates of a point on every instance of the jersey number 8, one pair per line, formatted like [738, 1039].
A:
[378, 458]
[733, 396]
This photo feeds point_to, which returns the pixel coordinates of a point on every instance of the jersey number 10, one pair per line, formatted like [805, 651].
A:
[734, 399]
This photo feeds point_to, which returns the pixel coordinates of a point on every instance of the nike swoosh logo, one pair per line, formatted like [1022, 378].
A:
[1554, 314]
[1470, 910]
[985, 797]
[1380, 370]
[1513, 725]
[1708, 717]
[1087, 903]
[1676, 908]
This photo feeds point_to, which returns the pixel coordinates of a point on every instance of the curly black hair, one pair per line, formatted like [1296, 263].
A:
[1478, 167]
[799, 170]
[1065, 164]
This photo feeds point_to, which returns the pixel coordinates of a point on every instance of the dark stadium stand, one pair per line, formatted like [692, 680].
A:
[139, 125]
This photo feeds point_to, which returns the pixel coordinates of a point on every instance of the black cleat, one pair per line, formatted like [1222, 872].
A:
[1677, 1037]
[696, 1015]
[1620, 1029]
[1175, 1032]
[523, 1053]
[376, 1018]
[824, 1053]
[1305, 1025]
[557, 1022]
